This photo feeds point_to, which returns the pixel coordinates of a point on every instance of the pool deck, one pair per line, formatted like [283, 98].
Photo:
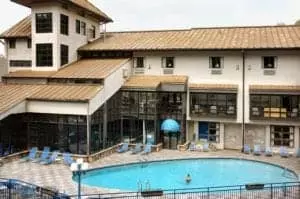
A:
[59, 175]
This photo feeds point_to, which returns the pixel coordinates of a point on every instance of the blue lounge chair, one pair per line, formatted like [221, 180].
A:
[192, 146]
[137, 149]
[257, 150]
[68, 160]
[247, 149]
[123, 148]
[283, 152]
[298, 153]
[51, 159]
[206, 147]
[31, 155]
[44, 155]
[147, 149]
[268, 151]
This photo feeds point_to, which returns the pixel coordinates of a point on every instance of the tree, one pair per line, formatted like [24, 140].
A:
[297, 23]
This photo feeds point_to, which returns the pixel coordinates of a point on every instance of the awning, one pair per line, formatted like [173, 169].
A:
[209, 88]
[170, 125]
[274, 89]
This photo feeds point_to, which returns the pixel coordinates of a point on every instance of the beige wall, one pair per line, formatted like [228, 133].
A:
[232, 136]
[3, 67]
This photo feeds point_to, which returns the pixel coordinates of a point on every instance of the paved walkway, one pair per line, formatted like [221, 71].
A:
[59, 176]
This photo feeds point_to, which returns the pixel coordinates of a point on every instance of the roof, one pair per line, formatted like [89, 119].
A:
[70, 93]
[13, 94]
[30, 74]
[90, 69]
[20, 30]
[218, 38]
[213, 87]
[274, 89]
[152, 81]
[85, 4]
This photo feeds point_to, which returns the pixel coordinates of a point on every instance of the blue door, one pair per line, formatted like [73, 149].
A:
[203, 130]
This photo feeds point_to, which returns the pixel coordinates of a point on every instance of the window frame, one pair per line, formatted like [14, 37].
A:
[64, 54]
[77, 26]
[12, 43]
[266, 67]
[288, 142]
[20, 63]
[137, 59]
[165, 62]
[83, 27]
[211, 62]
[47, 58]
[64, 24]
[41, 26]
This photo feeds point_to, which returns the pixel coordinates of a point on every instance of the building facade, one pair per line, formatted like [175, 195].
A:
[87, 90]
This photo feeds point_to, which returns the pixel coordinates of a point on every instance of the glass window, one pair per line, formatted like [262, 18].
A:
[282, 136]
[64, 54]
[78, 26]
[83, 28]
[169, 62]
[140, 62]
[12, 43]
[44, 55]
[215, 62]
[213, 132]
[269, 62]
[29, 41]
[43, 22]
[64, 24]
[20, 63]
[93, 32]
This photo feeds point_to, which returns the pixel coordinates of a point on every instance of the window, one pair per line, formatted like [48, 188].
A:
[83, 28]
[269, 62]
[282, 136]
[213, 132]
[139, 62]
[78, 26]
[216, 62]
[12, 43]
[168, 62]
[64, 54]
[64, 24]
[43, 22]
[20, 63]
[29, 41]
[93, 32]
[44, 55]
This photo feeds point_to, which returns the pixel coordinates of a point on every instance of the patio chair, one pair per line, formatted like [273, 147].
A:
[51, 159]
[147, 149]
[68, 160]
[43, 156]
[123, 148]
[192, 146]
[31, 155]
[205, 147]
[137, 149]
[257, 150]
[247, 149]
[283, 152]
[268, 151]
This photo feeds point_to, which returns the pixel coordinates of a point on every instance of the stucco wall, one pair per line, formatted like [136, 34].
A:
[21, 52]
[232, 136]
[255, 134]
[3, 67]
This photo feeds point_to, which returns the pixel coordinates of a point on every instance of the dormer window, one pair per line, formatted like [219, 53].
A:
[216, 62]
[43, 22]
[269, 62]
[64, 24]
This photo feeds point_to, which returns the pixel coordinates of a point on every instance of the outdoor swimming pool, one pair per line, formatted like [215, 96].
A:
[171, 174]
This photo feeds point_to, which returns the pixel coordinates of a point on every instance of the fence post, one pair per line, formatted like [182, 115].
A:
[9, 183]
[240, 191]
[174, 193]
[271, 191]
[208, 192]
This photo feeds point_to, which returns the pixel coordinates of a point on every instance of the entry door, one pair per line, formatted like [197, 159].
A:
[203, 130]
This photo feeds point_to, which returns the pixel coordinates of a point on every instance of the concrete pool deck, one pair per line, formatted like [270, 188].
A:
[59, 176]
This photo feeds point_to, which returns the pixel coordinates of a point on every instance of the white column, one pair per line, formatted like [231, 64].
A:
[297, 138]
[144, 132]
[222, 131]
[268, 136]
[196, 130]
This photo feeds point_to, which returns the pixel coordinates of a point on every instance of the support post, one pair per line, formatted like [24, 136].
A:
[88, 134]
[105, 125]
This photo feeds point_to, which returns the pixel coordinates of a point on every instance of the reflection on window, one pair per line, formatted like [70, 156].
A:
[282, 136]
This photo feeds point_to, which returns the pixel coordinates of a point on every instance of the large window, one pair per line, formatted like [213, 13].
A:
[64, 24]
[282, 136]
[44, 55]
[214, 104]
[43, 22]
[64, 54]
[139, 62]
[20, 63]
[274, 106]
[213, 132]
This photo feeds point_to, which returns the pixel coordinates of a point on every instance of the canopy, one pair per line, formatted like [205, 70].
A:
[170, 125]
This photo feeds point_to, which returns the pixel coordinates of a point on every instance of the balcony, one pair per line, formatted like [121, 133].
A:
[263, 113]
[212, 111]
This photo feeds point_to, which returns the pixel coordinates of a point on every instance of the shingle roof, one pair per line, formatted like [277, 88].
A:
[152, 81]
[90, 69]
[20, 30]
[219, 38]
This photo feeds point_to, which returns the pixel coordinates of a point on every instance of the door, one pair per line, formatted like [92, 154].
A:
[203, 130]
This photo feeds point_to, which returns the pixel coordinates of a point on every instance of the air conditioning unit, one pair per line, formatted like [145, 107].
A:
[125, 73]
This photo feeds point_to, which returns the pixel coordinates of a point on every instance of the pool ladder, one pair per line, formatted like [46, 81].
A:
[140, 185]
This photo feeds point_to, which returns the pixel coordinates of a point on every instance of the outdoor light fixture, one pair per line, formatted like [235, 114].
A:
[79, 168]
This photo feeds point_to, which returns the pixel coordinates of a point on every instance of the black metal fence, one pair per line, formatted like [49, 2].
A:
[290, 190]
[16, 189]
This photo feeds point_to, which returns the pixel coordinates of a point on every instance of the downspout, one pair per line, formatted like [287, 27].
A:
[243, 101]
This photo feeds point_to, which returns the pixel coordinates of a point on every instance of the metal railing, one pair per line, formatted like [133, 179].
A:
[17, 189]
[289, 190]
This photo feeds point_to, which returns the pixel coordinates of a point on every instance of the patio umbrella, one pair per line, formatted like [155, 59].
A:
[170, 125]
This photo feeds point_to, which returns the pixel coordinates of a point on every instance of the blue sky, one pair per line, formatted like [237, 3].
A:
[174, 14]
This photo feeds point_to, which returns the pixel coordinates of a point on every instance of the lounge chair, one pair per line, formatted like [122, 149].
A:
[51, 159]
[192, 146]
[283, 152]
[257, 150]
[137, 149]
[298, 153]
[68, 160]
[44, 155]
[205, 147]
[123, 148]
[268, 151]
[247, 149]
[147, 149]
[31, 155]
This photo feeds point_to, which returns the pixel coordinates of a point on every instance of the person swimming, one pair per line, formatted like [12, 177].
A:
[188, 178]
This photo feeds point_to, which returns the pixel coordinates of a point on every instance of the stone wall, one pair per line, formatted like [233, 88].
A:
[233, 136]
[255, 134]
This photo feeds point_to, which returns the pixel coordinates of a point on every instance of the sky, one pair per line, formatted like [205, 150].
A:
[177, 14]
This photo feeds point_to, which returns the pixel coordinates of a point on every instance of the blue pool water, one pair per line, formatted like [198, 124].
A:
[171, 174]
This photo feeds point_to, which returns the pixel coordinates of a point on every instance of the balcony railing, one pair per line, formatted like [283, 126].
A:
[274, 113]
[213, 111]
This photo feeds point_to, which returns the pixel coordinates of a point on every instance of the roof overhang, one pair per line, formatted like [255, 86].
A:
[275, 89]
[214, 88]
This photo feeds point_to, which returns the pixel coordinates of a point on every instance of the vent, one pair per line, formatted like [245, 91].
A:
[269, 72]
[139, 71]
[168, 71]
[216, 72]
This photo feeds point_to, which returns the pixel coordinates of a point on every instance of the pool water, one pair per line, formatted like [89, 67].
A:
[171, 174]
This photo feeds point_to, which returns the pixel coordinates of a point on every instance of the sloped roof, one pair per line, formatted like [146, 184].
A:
[30, 74]
[274, 88]
[213, 87]
[218, 38]
[20, 30]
